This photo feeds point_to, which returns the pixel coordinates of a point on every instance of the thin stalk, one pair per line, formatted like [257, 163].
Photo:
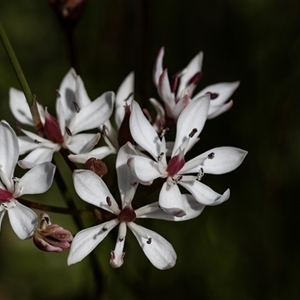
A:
[57, 209]
[16, 66]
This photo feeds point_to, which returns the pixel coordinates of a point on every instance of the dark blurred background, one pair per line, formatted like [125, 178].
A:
[246, 248]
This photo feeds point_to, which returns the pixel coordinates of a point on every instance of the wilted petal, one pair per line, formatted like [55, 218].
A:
[225, 159]
[202, 193]
[223, 90]
[85, 241]
[192, 117]
[153, 211]
[9, 149]
[158, 250]
[144, 168]
[91, 188]
[37, 180]
[23, 220]
[93, 115]
[170, 200]
[142, 131]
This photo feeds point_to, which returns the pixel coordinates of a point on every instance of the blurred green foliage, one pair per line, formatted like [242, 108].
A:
[247, 248]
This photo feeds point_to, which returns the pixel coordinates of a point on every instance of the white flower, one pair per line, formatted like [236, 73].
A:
[178, 95]
[113, 138]
[176, 170]
[75, 113]
[93, 190]
[36, 181]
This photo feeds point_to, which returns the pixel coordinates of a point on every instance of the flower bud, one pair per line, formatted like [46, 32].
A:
[97, 166]
[51, 237]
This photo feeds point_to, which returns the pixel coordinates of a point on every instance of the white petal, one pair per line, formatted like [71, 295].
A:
[23, 220]
[157, 249]
[158, 67]
[142, 131]
[37, 180]
[98, 153]
[2, 213]
[92, 189]
[226, 159]
[85, 241]
[73, 96]
[127, 182]
[164, 91]
[93, 115]
[215, 111]
[82, 142]
[9, 149]
[19, 107]
[170, 200]
[202, 193]
[117, 255]
[37, 156]
[192, 117]
[126, 88]
[152, 211]
[223, 89]
[192, 68]
[145, 169]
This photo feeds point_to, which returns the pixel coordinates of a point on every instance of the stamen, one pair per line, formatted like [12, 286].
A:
[104, 130]
[196, 78]
[159, 158]
[57, 94]
[126, 99]
[200, 174]
[76, 106]
[192, 133]
[108, 201]
[211, 155]
[149, 241]
[68, 131]
[175, 180]
[175, 82]
[163, 132]
[213, 95]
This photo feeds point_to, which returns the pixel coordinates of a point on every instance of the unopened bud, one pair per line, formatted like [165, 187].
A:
[51, 237]
[97, 166]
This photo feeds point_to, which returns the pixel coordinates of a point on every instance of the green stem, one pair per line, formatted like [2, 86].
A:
[17, 68]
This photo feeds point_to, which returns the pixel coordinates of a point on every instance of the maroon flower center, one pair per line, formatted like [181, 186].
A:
[52, 130]
[127, 214]
[175, 164]
[5, 196]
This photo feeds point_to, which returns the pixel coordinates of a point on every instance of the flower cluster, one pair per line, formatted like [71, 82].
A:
[143, 156]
